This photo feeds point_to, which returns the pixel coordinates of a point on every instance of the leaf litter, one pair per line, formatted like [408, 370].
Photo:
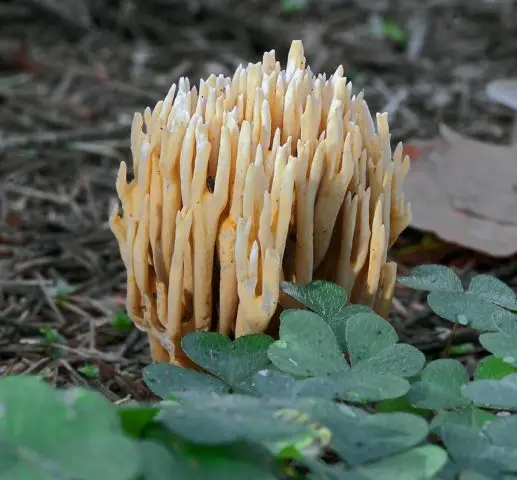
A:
[67, 96]
[465, 191]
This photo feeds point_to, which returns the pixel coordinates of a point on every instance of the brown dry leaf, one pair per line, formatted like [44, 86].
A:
[465, 191]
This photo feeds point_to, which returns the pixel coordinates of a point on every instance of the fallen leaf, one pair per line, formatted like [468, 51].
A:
[465, 191]
[416, 149]
[481, 178]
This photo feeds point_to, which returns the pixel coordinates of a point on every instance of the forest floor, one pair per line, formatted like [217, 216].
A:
[70, 81]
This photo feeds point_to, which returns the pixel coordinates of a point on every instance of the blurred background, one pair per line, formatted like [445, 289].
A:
[73, 72]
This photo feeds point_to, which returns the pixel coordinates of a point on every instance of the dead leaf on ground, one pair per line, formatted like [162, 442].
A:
[465, 191]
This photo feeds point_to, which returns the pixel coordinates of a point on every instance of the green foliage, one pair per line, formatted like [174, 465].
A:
[470, 416]
[48, 434]
[233, 362]
[417, 463]
[503, 343]
[394, 32]
[60, 291]
[234, 417]
[491, 451]
[293, 5]
[307, 346]
[53, 341]
[358, 440]
[492, 368]
[440, 386]
[493, 290]
[388, 29]
[486, 304]
[232, 461]
[433, 278]
[170, 381]
[122, 322]
[337, 384]
[373, 348]
[324, 298]
[494, 393]
[89, 370]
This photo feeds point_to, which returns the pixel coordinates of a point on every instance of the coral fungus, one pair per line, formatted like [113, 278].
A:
[264, 176]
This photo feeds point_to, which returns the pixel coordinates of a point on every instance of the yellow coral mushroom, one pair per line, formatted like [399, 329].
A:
[266, 175]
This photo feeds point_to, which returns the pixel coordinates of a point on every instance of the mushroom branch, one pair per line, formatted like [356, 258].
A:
[269, 174]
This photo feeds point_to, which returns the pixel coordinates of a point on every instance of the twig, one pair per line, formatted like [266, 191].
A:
[23, 329]
[53, 138]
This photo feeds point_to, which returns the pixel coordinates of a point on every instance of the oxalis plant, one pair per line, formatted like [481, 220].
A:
[337, 396]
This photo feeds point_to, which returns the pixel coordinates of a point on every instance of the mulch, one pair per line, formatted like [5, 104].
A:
[71, 79]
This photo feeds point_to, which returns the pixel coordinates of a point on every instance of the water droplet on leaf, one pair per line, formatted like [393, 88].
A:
[354, 397]
[503, 414]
